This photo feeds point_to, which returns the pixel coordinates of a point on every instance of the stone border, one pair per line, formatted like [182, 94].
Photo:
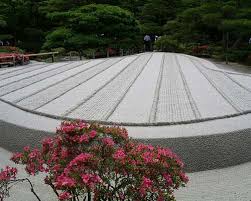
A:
[199, 153]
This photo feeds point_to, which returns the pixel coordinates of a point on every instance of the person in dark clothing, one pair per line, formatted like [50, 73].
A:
[147, 42]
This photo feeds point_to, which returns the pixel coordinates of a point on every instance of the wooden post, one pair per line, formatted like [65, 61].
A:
[70, 56]
[14, 61]
[52, 58]
[23, 60]
[107, 52]
[226, 55]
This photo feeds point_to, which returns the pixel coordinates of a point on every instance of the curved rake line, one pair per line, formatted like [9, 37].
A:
[99, 89]
[61, 118]
[236, 82]
[27, 71]
[217, 89]
[222, 71]
[109, 66]
[21, 68]
[47, 87]
[193, 105]
[129, 87]
[153, 113]
[43, 78]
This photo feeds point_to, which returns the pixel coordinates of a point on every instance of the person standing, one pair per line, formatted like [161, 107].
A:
[147, 42]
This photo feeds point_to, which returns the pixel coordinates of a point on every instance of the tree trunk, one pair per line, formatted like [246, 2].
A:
[237, 42]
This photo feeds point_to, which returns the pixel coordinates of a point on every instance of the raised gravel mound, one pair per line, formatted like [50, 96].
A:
[146, 89]
[201, 112]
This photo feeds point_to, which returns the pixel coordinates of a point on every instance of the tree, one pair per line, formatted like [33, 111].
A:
[92, 26]
[23, 23]
[156, 13]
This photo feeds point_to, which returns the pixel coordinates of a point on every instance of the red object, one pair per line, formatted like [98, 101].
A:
[200, 49]
[9, 57]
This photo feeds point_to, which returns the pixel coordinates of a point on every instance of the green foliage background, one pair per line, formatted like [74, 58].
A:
[81, 25]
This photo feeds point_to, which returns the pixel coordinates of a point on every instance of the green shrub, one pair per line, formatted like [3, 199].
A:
[167, 44]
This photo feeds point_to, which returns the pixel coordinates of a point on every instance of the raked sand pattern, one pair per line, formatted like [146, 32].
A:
[145, 89]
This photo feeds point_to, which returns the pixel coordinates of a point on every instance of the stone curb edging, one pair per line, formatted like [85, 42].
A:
[199, 153]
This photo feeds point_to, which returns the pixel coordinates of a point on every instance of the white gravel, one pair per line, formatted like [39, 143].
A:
[14, 71]
[184, 88]
[30, 73]
[204, 98]
[44, 84]
[66, 102]
[133, 110]
[173, 104]
[228, 184]
[36, 78]
[59, 89]
[103, 102]
[243, 80]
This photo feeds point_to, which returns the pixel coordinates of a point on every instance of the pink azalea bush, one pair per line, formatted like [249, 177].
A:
[92, 162]
[6, 176]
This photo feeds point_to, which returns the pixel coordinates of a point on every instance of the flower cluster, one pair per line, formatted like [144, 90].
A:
[102, 163]
[6, 176]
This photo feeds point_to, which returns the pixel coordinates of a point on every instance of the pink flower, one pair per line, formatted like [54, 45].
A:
[119, 154]
[47, 144]
[64, 181]
[93, 134]
[84, 138]
[160, 198]
[65, 196]
[16, 157]
[184, 177]
[108, 141]
[147, 183]
[168, 179]
[31, 168]
[26, 148]
[147, 157]
[90, 179]
[67, 128]
[8, 173]
[64, 153]
[81, 158]
[34, 154]
[56, 168]
[165, 152]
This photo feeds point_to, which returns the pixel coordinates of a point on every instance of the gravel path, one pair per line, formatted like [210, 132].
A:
[228, 184]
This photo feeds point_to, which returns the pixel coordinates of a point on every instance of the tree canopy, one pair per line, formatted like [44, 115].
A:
[35, 25]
